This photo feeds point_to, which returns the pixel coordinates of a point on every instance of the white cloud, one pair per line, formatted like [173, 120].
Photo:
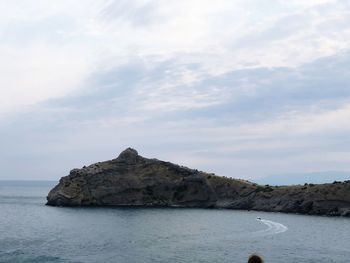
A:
[41, 62]
[195, 81]
[37, 73]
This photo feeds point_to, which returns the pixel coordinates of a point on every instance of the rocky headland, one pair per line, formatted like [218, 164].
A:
[132, 180]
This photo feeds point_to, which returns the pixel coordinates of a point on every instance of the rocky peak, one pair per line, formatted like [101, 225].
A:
[129, 156]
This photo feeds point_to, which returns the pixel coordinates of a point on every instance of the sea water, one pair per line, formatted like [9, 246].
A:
[33, 232]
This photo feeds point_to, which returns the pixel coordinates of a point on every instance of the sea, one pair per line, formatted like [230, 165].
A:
[33, 232]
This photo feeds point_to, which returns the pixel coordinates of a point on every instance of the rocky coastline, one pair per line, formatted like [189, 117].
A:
[132, 180]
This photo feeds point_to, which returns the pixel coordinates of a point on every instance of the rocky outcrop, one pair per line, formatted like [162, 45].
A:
[132, 180]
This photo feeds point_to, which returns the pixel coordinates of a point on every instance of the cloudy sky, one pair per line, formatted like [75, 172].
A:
[242, 88]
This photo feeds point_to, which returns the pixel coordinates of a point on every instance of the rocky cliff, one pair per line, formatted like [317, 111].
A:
[132, 180]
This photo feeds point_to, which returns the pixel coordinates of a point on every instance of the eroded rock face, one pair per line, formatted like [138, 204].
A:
[132, 180]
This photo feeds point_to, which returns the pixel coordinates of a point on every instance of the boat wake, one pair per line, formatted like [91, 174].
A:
[272, 228]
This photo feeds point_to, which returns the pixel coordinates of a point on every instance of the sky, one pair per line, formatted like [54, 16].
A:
[242, 88]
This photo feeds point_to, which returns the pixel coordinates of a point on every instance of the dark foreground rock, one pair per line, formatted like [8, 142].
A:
[132, 180]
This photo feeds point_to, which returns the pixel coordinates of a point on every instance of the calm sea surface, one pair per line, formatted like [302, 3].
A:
[33, 232]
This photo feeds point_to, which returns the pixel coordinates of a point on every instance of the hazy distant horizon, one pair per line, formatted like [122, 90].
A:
[238, 88]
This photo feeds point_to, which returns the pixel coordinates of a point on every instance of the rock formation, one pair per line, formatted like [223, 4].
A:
[132, 180]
